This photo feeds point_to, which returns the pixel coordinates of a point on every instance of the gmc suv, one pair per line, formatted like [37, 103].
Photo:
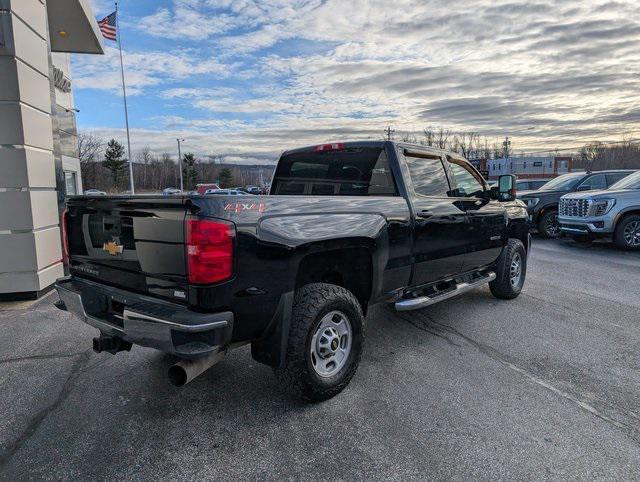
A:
[614, 212]
[543, 203]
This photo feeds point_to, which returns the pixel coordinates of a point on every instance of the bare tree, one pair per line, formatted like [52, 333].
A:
[442, 137]
[590, 154]
[429, 137]
[89, 147]
[409, 137]
[467, 144]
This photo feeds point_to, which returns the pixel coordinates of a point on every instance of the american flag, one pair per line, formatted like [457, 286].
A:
[108, 26]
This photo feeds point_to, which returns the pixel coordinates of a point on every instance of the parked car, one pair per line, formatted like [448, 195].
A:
[171, 191]
[611, 213]
[530, 184]
[204, 187]
[346, 226]
[94, 192]
[253, 190]
[226, 192]
[543, 203]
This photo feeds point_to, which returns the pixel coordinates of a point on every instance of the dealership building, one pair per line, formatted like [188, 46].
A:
[39, 162]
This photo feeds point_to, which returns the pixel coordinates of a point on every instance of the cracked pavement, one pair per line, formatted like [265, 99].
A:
[543, 387]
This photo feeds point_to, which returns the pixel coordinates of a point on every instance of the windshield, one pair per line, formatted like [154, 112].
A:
[629, 182]
[563, 183]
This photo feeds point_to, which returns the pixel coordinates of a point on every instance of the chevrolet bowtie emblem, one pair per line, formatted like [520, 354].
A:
[112, 248]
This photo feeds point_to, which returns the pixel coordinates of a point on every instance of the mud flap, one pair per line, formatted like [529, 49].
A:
[271, 348]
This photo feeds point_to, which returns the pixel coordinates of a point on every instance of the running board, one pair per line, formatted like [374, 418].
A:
[418, 303]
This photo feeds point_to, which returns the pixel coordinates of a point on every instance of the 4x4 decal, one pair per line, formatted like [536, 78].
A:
[240, 207]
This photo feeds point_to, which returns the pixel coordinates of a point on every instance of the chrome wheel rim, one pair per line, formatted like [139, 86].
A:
[515, 270]
[552, 226]
[331, 344]
[632, 234]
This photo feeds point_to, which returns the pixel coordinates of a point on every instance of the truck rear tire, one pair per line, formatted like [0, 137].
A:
[511, 271]
[627, 234]
[325, 342]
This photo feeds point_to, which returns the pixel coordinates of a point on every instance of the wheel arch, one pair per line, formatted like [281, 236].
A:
[347, 263]
[630, 211]
[520, 230]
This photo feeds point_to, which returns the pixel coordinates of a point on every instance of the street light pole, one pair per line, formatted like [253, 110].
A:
[180, 164]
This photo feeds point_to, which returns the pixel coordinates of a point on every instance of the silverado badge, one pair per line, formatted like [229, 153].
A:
[113, 248]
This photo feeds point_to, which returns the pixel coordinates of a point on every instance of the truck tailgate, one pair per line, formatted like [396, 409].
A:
[134, 243]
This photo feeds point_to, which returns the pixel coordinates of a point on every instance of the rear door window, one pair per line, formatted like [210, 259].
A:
[615, 177]
[428, 175]
[353, 171]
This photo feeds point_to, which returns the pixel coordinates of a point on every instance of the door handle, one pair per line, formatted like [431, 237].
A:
[424, 214]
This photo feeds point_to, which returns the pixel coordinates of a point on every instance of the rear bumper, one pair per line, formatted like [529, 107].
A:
[146, 321]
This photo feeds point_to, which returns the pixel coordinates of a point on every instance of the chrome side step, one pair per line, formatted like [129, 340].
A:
[418, 303]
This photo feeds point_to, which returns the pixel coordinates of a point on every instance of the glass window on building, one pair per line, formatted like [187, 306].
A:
[70, 183]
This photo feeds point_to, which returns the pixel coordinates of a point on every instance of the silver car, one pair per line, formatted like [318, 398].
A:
[610, 213]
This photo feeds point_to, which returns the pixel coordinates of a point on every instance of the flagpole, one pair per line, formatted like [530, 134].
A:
[124, 95]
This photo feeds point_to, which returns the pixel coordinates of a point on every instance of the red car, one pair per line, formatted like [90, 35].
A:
[202, 188]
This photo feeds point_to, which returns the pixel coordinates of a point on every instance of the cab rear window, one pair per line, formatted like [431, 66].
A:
[347, 172]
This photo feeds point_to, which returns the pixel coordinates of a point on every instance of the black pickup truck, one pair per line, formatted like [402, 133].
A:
[346, 225]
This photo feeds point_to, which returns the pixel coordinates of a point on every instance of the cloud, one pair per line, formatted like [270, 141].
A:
[265, 75]
[142, 69]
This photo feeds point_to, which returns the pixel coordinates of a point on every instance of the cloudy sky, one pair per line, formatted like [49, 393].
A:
[249, 78]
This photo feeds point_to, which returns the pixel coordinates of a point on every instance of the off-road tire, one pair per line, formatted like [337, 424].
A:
[545, 221]
[619, 237]
[311, 303]
[502, 287]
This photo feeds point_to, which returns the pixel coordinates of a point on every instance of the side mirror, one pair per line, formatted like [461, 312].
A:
[584, 188]
[506, 188]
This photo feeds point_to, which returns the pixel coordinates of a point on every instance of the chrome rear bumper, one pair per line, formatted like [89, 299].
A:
[146, 321]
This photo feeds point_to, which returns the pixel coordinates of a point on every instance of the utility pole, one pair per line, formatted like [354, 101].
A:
[389, 132]
[507, 146]
[180, 164]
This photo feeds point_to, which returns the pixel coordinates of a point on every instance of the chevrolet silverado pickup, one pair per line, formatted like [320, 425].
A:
[292, 273]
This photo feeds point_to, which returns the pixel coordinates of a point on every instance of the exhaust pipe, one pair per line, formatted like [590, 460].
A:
[186, 370]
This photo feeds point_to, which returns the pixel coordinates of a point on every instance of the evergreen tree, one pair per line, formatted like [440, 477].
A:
[226, 178]
[113, 160]
[189, 171]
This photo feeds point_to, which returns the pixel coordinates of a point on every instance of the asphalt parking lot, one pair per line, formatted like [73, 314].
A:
[545, 386]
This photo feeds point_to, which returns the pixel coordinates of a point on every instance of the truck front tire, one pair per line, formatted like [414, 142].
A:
[325, 342]
[511, 271]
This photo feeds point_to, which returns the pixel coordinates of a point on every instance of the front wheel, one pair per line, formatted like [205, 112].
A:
[627, 235]
[325, 342]
[511, 271]
[549, 226]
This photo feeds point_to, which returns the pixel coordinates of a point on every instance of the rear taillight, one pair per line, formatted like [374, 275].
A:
[64, 229]
[209, 246]
[338, 146]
